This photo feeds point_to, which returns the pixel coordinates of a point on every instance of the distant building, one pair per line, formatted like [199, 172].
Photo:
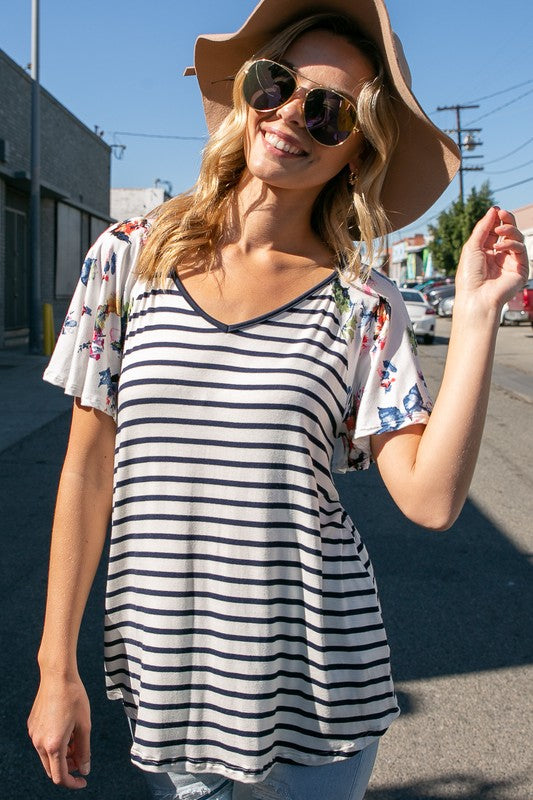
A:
[127, 203]
[75, 177]
[410, 259]
[524, 220]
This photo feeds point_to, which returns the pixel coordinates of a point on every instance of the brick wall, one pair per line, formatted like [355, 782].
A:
[75, 169]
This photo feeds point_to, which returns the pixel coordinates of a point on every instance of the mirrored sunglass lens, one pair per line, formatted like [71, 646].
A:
[267, 85]
[329, 118]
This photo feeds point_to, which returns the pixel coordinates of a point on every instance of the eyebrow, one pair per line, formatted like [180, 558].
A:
[284, 62]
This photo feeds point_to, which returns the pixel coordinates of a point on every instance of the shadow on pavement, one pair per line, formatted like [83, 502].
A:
[455, 787]
[453, 602]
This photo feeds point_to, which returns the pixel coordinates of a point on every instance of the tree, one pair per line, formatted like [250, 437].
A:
[455, 225]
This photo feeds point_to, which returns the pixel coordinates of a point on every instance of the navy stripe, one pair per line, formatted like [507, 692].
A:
[236, 618]
[235, 637]
[252, 426]
[190, 724]
[216, 482]
[266, 677]
[236, 387]
[287, 746]
[350, 666]
[238, 370]
[258, 601]
[238, 580]
[226, 349]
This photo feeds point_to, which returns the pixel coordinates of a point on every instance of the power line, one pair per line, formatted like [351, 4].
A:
[512, 185]
[501, 91]
[512, 169]
[158, 136]
[423, 221]
[511, 153]
[499, 108]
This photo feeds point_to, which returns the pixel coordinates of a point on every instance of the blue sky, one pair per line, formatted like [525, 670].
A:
[119, 65]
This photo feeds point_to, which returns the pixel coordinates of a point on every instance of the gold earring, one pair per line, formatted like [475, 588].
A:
[352, 178]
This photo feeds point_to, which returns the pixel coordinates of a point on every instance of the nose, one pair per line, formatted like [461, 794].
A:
[292, 112]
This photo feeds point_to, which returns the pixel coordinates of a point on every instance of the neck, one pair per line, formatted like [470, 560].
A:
[267, 218]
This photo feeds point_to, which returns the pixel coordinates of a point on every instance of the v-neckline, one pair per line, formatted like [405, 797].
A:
[222, 326]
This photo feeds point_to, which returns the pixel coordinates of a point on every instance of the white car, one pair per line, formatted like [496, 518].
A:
[421, 314]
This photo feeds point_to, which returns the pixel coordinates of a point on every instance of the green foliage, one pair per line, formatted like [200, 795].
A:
[455, 225]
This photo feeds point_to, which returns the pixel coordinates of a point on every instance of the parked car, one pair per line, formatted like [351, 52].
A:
[434, 296]
[520, 307]
[421, 314]
[432, 283]
[445, 307]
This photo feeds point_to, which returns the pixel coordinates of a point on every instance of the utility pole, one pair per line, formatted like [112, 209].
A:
[35, 338]
[465, 142]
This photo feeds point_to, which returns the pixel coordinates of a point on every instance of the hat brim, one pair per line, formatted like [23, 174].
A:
[424, 160]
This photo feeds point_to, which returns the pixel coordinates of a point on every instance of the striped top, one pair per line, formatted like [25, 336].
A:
[242, 621]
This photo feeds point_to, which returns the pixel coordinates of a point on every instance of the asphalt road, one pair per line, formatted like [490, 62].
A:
[457, 607]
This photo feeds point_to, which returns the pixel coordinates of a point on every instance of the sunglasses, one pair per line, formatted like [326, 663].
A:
[329, 117]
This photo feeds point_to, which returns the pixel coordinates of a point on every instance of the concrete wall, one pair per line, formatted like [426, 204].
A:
[127, 203]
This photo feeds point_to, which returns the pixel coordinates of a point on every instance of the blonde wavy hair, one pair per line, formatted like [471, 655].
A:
[188, 229]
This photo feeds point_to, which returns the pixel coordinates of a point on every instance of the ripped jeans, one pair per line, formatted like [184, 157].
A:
[340, 780]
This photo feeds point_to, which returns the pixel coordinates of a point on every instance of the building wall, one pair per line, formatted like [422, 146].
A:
[127, 203]
[75, 171]
[2, 257]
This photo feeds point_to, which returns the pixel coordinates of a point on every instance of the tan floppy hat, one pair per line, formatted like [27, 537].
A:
[424, 160]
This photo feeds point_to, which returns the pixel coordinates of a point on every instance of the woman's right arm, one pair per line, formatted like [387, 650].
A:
[59, 722]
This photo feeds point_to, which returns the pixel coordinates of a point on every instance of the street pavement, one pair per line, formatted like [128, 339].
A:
[457, 605]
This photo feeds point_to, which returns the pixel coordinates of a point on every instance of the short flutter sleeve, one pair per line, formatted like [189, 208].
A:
[87, 358]
[388, 390]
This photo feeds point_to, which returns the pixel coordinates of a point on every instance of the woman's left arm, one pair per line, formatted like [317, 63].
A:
[428, 469]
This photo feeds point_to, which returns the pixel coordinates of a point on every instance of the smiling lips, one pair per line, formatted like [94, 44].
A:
[282, 144]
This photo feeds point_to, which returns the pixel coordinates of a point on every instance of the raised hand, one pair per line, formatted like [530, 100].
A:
[494, 263]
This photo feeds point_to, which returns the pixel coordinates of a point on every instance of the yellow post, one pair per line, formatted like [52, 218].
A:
[48, 329]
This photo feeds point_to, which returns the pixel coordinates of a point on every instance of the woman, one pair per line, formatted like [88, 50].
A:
[254, 351]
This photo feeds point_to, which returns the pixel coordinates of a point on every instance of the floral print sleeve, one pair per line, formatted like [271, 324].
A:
[387, 390]
[87, 357]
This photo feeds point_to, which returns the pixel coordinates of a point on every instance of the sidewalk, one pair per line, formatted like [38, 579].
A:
[26, 401]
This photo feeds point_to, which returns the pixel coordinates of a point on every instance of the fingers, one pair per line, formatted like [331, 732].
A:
[81, 750]
[497, 231]
[511, 240]
[58, 764]
[59, 726]
[505, 216]
[483, 234]
[59, 769]
[60, 759]
[44, 760]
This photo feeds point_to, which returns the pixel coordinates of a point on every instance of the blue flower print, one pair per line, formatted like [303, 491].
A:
[391, 418]
[69, 322]
[413, 401]
[111, 381]
[86, 270]
[110, 266]
[386, 375]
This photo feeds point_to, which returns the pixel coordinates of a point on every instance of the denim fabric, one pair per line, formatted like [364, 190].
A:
[340, 780]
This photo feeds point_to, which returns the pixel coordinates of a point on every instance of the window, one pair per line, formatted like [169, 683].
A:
[69, 249]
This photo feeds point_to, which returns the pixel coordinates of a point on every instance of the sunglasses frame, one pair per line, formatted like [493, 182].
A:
[297, 86]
